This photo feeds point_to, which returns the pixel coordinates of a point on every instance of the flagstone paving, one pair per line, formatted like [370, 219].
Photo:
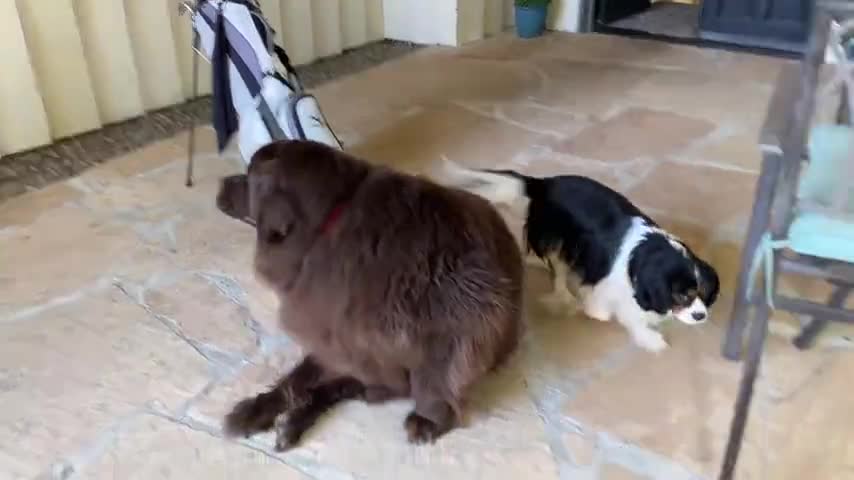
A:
[130, 320]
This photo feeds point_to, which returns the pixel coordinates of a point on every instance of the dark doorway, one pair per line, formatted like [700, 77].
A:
[773, 25]
[780, 24]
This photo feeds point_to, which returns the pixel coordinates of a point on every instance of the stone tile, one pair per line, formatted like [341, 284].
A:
[154, 156]
[817, 439]
[72, 371]
[566, 348]
[503, 436]
[574, 385]
[201, 308]
[626, 136]
[156, 185]
[754, 68]
[639, 53]
[506, 47]
[208, 240]
[461, 135]
[22, 211]
[677, 92]
[701, 194]
[541, 118]
[438, 77]
[582, 88]
[611, 471]
[736, 150]
[506, 441]
[219, 246]
[582, 448]
[38, 266]
[151, 447]
[686, 417]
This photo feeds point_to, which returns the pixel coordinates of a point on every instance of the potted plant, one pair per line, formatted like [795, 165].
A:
[531, 17]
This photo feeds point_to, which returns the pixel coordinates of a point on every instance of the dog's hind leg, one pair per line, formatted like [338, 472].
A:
[259, 413]
[434, 414]
[291, 427]
[563, 295]
[532, 260]
[440, 385]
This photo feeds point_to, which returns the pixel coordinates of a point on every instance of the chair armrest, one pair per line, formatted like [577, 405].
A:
[795, 132]
[781, 109]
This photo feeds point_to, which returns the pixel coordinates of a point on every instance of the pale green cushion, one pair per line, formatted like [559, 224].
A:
[817, 235]
[831, 149]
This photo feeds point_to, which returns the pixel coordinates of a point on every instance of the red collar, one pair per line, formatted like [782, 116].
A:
[333, 217]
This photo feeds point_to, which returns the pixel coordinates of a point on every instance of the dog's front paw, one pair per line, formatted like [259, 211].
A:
[595, 314]
[254, 415]
[288, 432]
[421, 430]
[651, 341]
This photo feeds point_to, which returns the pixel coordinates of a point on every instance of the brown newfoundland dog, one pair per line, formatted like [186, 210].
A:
[393, 285]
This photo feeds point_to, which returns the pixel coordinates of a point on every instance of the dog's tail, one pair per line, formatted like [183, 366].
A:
[497, 186]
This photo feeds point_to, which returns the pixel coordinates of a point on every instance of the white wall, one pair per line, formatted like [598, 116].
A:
[432, 22]
[456, 22]
[564, 15]
[23, 121]
[445, 22]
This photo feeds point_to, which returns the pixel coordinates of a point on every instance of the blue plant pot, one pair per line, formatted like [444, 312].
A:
[531, 21]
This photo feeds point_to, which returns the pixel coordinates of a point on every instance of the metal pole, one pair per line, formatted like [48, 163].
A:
[191, 142]
[191, 146]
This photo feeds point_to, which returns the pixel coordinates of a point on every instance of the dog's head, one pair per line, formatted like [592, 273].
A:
[287, 195]
[673, 281]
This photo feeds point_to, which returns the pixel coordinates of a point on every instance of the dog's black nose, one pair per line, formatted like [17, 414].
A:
[699, 316]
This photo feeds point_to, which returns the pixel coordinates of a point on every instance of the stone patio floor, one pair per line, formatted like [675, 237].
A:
[130, 321]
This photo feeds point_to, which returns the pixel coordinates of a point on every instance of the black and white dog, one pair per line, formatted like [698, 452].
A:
[602, 250]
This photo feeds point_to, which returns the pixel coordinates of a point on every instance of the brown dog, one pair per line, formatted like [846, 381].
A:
[393, 285]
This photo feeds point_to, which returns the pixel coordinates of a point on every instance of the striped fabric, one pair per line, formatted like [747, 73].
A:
[253, 96]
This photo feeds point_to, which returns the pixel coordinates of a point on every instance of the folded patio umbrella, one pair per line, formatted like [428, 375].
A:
[253, 97]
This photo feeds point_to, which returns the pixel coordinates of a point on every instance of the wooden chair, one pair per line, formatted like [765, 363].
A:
[803, 214]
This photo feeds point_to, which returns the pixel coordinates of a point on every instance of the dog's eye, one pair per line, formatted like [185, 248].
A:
[274, 237]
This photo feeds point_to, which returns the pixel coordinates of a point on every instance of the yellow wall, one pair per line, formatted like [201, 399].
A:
[23, 120]
[70, 66]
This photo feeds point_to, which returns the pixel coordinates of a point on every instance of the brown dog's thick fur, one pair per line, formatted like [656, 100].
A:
[394, 286]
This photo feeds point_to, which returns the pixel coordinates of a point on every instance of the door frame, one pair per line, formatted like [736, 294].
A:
[747, 39]
[587, 24]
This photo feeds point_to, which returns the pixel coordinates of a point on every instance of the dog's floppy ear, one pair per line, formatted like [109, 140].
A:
[709, 282]
[233, 196]
[648, 275]
[651, 291]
